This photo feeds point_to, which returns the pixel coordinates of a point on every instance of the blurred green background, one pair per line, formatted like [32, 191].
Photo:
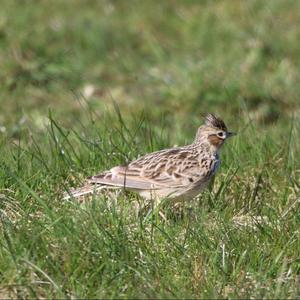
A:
[172, 58]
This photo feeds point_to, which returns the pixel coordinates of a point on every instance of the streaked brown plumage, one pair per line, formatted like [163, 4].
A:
[178, 173]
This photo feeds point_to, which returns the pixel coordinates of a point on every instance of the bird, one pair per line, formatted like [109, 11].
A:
[177, 174]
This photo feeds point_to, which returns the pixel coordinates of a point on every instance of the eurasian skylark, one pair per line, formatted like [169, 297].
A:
[179, 173]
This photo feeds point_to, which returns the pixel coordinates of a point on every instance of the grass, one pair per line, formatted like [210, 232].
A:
[89, 85]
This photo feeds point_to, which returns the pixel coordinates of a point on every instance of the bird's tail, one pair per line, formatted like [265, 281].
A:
[85, 191]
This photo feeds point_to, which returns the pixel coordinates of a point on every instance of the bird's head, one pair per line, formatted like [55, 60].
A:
[214, 131]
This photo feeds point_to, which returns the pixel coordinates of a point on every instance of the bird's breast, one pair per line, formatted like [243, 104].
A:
[215, 166]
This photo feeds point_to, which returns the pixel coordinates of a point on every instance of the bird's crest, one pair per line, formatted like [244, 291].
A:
[213, 121]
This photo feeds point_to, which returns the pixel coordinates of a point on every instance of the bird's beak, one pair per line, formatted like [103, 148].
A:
[229, 134]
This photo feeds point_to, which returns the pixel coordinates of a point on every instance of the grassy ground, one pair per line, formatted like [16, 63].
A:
[86, 85]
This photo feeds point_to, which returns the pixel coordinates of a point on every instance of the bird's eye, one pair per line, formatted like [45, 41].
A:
[220, 134]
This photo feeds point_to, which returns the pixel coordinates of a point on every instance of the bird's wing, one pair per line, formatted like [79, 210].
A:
[173, 168]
